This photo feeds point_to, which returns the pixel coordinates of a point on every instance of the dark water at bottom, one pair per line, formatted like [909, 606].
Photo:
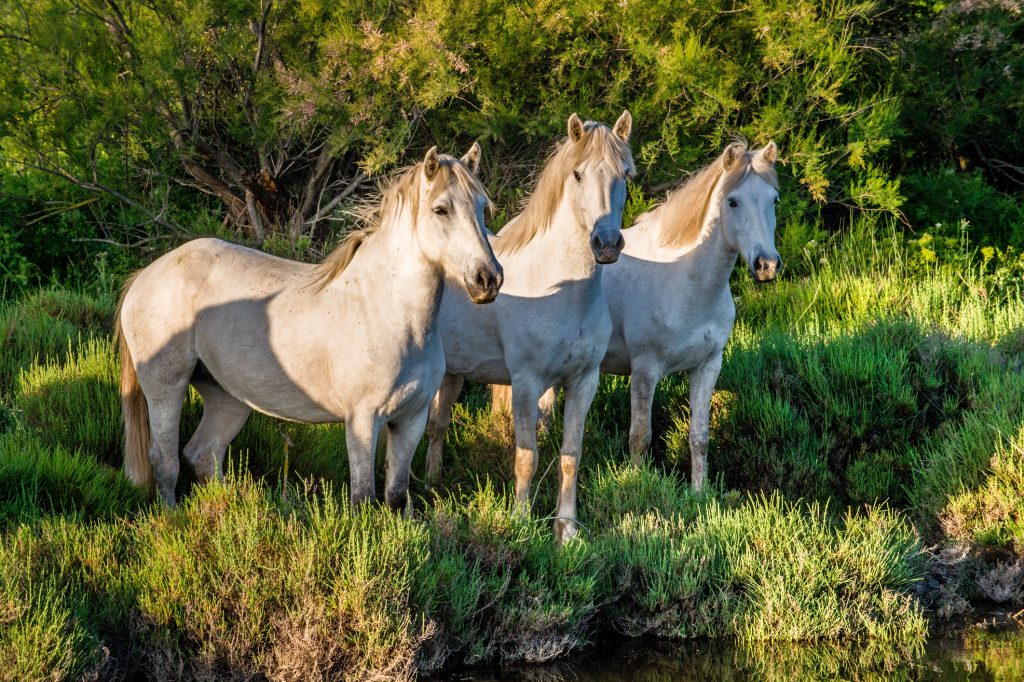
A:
[975, 654]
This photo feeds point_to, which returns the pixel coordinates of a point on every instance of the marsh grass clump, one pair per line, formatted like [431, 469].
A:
[240, 582]
[61, 598]
[47, 324]
[244, 580]
[840, 417]
[496, 587]
[990, 514]
[38, 481]
[73, 401]
[764, 569]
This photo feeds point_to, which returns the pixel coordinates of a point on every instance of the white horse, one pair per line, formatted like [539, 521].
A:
[669, 296]
[351, 340]
[550, 324]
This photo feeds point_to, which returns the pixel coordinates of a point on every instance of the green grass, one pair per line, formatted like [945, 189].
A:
[241, 578]
[865, 410]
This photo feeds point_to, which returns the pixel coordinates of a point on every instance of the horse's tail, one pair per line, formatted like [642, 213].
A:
[134, 410]
[501, 401]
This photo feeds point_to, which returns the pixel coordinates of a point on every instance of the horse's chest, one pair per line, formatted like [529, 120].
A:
[581, 349]
[695, 347]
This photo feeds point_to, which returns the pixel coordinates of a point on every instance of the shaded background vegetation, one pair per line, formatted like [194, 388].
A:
[147, 122]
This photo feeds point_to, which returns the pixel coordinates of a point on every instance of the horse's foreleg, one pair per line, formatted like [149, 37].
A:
[361, 440]
[223, 417]
[641, 393]
[403, 437]
[438, 422]
[702, 384]
[578, 397]
[526, 392]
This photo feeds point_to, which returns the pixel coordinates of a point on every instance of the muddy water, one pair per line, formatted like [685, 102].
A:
[976, 654]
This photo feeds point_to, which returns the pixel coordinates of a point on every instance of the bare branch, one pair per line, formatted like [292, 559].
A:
[94, 186]
[254, 217]
[345, 194]
[261, 35]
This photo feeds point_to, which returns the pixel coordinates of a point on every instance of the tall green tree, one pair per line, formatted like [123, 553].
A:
[280, 110]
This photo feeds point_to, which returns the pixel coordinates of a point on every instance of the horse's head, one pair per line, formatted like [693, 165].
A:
[450, 222]
[597, 163]
[748, 192]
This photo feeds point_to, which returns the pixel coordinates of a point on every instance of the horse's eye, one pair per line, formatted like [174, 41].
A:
[579, 176]
[733, 203]
[440, 210]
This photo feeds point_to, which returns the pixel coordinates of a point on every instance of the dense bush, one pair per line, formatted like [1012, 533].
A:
[285, 105]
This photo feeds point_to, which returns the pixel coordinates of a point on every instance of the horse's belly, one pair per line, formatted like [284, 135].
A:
[266, 387]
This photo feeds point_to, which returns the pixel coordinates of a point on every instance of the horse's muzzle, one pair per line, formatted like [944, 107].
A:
[484, 286]
[764, 269]
[607, 252]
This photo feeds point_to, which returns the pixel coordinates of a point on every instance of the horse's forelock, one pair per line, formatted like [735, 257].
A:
[598, 145]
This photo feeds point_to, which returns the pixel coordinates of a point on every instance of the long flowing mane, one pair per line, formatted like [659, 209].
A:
[378, 212]
[598, 144]
[682, 213]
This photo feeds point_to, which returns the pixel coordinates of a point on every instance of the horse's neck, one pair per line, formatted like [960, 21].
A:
[390, 271]
[708, 261]
[561, 253]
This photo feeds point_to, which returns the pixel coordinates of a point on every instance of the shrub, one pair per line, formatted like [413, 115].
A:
[75, 404]
[47, 324]
[39, 481]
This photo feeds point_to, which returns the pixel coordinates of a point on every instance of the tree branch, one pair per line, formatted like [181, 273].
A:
[94, 186]
[345, 194]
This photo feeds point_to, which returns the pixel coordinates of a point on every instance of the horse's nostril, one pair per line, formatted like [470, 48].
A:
[621, 243]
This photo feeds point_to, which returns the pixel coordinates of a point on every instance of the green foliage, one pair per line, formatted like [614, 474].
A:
[37, 481]
[960, 66]
[42, 222]
[939, 201]
[51, 395]
[47, 324]
[186, 88]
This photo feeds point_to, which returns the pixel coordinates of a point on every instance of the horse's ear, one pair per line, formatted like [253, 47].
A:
[731, 155]
[624, 126]
[770, 152]
[472, 158]
[430, 163]
[575, 126]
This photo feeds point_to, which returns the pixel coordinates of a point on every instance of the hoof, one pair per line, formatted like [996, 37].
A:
[565, 530]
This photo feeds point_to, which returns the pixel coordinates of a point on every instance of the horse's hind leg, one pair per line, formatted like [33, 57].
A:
[641, 390]
[439, 421]
[165, 392]
[546, 406]
[403, 437]
[223, 417]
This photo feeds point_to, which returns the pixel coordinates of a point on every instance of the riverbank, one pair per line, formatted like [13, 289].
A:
[969, 654]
